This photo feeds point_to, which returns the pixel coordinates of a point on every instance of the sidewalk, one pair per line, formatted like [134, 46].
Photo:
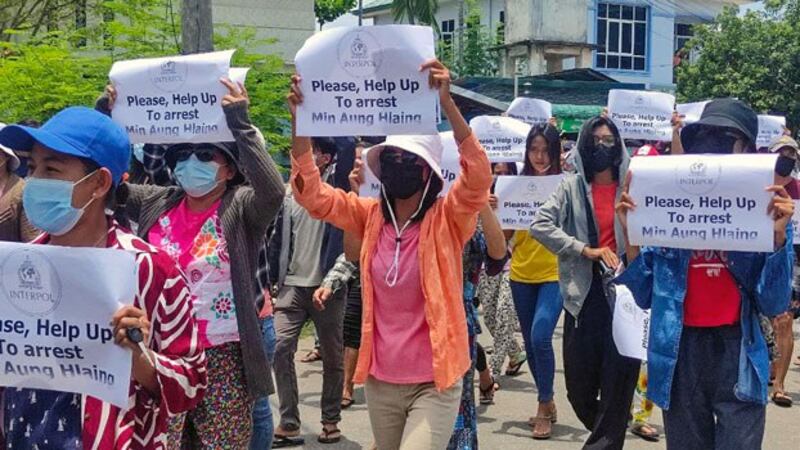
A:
[503, 425]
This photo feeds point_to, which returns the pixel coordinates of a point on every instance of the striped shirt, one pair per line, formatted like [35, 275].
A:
[180, 359]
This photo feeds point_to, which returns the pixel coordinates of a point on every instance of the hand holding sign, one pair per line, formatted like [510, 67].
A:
[781, 207]
[438, 77]
[237, 93]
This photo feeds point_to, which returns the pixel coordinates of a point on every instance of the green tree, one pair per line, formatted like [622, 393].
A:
[753, 57]
[469, 52]
[416, 11]
[329, 10]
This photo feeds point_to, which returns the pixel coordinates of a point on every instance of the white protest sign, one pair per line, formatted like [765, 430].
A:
[641, 114]
[502, 137]
[769, 129]
[702, 202]
[365, 81]
[519, 197]
[691, 112]
[172, 100]
[238, 74]
[530, 110]
[451, 168]
[630, 325]
[56, 305]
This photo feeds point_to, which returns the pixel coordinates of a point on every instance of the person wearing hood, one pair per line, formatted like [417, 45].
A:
[708, 362]
[411, 269]
[14, 224]
[213, 224]
[578, 224]
[78, 160]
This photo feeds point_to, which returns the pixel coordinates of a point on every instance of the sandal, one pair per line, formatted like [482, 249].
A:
[487, 395]
[544, 421]
[311, 356]
[347, 402]
[285, 441]
[646, 432]
[326, 438]
[553, 418]
[515, 366]
[781, 399]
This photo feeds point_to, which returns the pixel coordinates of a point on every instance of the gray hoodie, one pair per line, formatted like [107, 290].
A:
[561, 225]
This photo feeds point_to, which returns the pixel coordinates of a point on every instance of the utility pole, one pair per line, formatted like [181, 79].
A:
[197, 28]
[360, 12]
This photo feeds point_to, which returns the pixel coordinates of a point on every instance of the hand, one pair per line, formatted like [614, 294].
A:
[295, 96]
[604, 113]
[553, 122]
[356, 176]
[321, 296]
[606, 254]
[677, 121]
[493, 201]
[781, 208]
[237, 93]
[438, 77]
[111, 93]
[625, 204]
[130, 317]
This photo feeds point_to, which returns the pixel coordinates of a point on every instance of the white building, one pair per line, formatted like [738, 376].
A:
[289, 22]
[630, 40]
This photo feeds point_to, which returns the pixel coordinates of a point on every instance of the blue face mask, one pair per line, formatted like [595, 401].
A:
[197, 178]
[138, 152]
[48, 204]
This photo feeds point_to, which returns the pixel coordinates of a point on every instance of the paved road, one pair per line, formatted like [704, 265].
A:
[503, 425]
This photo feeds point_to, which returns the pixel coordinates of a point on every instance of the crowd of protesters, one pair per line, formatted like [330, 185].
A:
[234, 262]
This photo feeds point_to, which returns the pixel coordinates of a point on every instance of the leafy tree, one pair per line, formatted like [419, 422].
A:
[416, 11]
[470, 53]
[329, 10]
[753, 57]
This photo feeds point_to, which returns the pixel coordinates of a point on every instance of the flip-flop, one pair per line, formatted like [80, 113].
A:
[781, 399]
[514, 368]
[325, 436]
[347, 402]
[651, 436]
[311, 356]
[286, 441]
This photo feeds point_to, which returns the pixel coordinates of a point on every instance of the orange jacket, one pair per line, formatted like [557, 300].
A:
[447, 226]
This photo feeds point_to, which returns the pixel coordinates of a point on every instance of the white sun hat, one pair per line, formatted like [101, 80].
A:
[427, 147]
[13, 159]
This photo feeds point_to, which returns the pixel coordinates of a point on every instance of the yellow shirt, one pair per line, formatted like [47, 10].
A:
[531, 262]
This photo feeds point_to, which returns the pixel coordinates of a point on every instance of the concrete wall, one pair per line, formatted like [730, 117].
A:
[291, 22]
[448, 9]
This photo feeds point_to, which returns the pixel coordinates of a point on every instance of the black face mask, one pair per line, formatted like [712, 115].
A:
[784, 166]
[602, 158]
[401, 179]
[718, 143]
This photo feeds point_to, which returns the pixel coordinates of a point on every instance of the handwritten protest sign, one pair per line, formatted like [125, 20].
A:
[366, 81]
[172, 100]
[641, 114]
[691, 112]
[769, 129]
[502, 137]
[56, 304]
[530, 110]
[702, 202]
[450, 164]
[630, 325]
[519, 197]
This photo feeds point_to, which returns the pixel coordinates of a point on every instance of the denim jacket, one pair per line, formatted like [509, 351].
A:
[657, 279]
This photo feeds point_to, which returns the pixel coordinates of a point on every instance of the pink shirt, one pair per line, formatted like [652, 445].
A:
[403, 353]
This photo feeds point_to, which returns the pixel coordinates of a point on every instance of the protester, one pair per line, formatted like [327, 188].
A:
[785, 169]
[534, 284]
[303, 250]
[487, 247]
[494, 295]
[14, 224]
[707, 358]
[78, 159]
[412, 245]
[577, 224]
[212, 224]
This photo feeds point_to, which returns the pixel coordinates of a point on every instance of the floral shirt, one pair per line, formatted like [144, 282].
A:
[180, 369]
[196, 241]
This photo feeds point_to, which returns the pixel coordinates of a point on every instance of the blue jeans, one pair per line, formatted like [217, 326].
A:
[538, 308]
[263, 427]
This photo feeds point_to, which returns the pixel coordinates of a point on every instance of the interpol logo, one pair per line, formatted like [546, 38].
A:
[30, 282]
[169, 76]
[698, 176]
[360, 54]
[532, 188]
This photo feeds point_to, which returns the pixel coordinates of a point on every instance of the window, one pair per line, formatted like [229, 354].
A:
[502, 17]
[448, 28]
[683, 34]
[501, 28]
[622, 37]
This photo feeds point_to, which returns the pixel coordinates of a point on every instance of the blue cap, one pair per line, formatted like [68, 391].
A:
[77, 131]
